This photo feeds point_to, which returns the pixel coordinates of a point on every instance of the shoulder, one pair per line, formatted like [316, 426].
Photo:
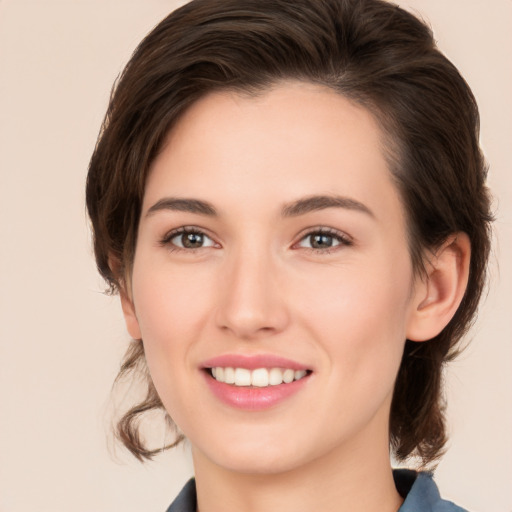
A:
[421, 493]
[418, 489]
[186, 500]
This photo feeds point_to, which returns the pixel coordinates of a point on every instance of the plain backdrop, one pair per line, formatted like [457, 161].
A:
[61, 339]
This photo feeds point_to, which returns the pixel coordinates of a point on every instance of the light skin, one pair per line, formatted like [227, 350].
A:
[299, 251]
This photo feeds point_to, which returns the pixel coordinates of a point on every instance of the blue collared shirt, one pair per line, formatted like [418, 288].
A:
[418, 489]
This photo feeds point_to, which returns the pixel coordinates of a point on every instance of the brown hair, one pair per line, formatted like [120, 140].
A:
[370, 51]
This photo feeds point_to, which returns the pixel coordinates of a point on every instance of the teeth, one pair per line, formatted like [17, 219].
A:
[288, 376]
[229, 375]
[242, 377]
[261, 377]
[299, 374]
[275, 377]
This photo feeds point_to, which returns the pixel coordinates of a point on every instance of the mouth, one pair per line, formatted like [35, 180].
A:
[258, 377]
[257, 382]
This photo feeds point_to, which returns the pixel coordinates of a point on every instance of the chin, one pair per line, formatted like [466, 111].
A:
[253, 454]
[256, 463]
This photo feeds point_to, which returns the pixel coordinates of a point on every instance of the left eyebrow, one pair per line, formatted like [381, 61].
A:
[322, 202]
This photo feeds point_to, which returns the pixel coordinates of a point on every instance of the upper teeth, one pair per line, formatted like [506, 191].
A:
[261, 377]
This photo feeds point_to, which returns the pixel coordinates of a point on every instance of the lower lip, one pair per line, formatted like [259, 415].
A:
[253, 398]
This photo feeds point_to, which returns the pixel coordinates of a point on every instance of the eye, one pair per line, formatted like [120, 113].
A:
[324, 240]
[188, 238]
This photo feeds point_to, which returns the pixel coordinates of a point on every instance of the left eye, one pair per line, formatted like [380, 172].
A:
[191, 240]
[320, 240]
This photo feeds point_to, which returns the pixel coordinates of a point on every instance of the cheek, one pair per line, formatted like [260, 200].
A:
[360, 314]
[170, 310]
[168, 302]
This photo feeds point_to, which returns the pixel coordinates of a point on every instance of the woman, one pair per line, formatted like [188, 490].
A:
[290, 198]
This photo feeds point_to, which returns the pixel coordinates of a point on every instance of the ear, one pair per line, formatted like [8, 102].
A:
[438, 294]
[130, 318]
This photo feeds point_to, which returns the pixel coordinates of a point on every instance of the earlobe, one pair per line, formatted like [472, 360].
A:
[438, 294]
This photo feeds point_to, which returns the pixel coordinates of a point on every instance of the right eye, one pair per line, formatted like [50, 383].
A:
[187, 239]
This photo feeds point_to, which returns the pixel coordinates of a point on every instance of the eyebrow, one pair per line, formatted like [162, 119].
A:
[183, 205]
[294, 209]
[322, 202]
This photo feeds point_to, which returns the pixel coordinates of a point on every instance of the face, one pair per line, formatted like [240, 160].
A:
[272, 284]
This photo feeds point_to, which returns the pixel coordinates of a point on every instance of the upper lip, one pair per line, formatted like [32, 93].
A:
[252, 362]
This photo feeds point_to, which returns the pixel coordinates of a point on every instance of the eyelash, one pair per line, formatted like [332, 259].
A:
[340, 237]
[188, 230]
[343, 239]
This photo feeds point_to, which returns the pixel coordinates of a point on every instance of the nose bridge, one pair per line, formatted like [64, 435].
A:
[251, 302]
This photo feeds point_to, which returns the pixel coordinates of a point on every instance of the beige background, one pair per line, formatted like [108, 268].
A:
[61, 339]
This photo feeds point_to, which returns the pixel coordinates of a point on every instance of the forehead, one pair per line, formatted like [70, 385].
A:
[292, 140]
[313, 117]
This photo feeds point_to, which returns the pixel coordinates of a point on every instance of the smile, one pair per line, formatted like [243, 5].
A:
[255, 382]
[259, 377]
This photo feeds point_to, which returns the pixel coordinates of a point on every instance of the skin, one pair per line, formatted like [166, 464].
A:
[257, 286]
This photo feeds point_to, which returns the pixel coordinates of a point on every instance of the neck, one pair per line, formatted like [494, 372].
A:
[354, 481]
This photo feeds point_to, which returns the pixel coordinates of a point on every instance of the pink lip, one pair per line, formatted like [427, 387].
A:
[253, 398]
[253, 362]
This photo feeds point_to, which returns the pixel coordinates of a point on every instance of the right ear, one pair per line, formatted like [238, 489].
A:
[130, 317]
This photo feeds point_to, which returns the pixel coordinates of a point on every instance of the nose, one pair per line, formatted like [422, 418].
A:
[251, 300]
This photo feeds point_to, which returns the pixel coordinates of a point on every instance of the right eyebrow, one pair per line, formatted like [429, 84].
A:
[183, 205]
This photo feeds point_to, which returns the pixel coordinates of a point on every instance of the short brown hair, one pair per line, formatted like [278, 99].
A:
[370, 51]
